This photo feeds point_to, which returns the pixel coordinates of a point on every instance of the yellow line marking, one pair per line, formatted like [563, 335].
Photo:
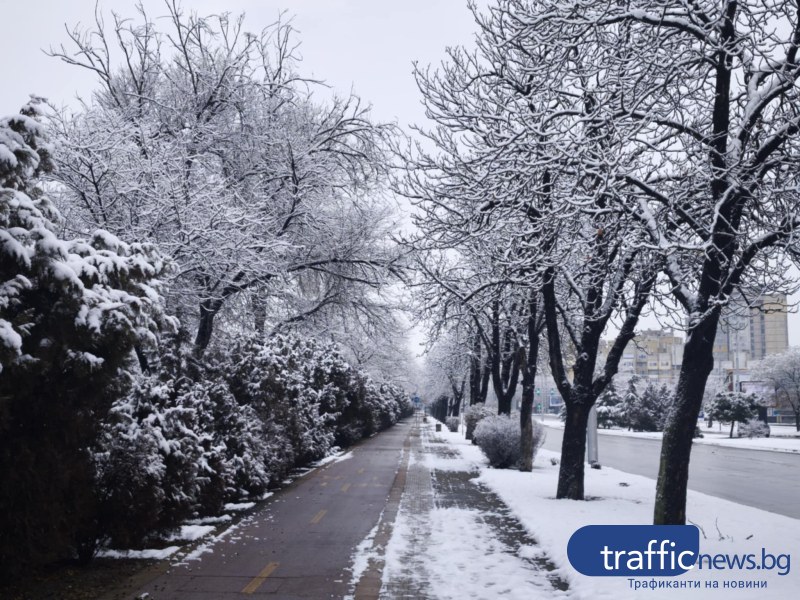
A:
[360, 471]
[345, 487]
[318, 517]
[259, 579]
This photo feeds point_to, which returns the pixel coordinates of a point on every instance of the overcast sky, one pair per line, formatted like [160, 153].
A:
[366, 45]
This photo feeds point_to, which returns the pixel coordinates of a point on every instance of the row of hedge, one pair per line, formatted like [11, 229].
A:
[193, 436]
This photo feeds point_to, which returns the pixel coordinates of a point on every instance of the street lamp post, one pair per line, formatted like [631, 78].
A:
[591, 438]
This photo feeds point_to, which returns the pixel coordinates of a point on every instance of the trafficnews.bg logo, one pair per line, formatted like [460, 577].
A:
[656, 550]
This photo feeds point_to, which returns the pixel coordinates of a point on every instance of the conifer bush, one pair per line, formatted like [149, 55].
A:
[72, 311]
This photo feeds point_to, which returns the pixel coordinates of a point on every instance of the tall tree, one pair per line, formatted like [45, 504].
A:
[518, 175]
[710, 169]
[203, 139]
[684, 115]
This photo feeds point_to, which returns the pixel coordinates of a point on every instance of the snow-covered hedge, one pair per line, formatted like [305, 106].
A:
[498, 436]
[193, 437]
[753, 429]
[453, 423]
[473, 415]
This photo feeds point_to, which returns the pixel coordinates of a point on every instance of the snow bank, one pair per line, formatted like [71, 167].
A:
[622, 498]
[239, 506]
[334, 458]
[190, 533]
[154, 553]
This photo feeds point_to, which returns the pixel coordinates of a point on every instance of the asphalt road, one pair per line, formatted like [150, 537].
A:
[299, 545]
[762, 479]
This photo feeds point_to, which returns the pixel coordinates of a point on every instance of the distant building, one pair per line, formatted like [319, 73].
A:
[653, 355]
[746, 335]
[769, 327]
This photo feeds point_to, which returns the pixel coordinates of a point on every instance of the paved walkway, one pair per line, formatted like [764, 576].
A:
[407, 562]
[411, 581]
[403, 506]
[298, 544]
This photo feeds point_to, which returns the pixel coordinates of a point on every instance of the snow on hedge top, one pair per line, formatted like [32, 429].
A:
[113, 285]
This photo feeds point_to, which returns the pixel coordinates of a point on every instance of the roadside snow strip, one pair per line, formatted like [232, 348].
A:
[621, 498]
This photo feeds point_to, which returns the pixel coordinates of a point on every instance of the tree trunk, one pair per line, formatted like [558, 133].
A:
[486, 377]
[526, 425]
[458, 397]
[144, 364]
[475, 371]
[573, 450]
[762, 414]
[504, 405]
[504, 361]
[529, 364]
[730, 435]
[260, 316]
[470, 431]
[208, 310]
[676, 446]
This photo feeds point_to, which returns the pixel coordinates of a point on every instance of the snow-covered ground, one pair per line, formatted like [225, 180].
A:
[782, 438]
[148, 554]
[622, 498]
[334, 457]
[190, 533]
[447, 545]
[466, 561]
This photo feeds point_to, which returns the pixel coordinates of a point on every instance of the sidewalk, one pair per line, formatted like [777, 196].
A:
[452, 538]
[456, 529]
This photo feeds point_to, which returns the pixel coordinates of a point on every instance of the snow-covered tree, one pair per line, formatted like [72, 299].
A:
[203, 139]
[707, 164]
[732, 407]
[608, 407]
[674, 119]
[447, 370]
[72, 313]
[645, 411]
[782, 372]
[519, 192]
